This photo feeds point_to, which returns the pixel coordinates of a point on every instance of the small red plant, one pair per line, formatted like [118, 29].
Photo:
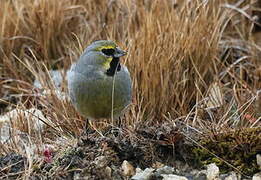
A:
[48, 155]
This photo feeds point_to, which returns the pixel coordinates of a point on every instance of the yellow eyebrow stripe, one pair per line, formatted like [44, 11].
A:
[105, 47]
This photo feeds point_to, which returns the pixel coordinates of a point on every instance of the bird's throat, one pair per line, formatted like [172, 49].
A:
[114, 67]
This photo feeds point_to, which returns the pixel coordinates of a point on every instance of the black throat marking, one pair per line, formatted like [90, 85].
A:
[115, 64]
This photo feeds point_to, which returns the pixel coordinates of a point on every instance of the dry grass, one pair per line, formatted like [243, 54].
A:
[197, 62]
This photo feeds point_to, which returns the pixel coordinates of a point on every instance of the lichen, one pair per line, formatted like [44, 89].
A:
[238, 148]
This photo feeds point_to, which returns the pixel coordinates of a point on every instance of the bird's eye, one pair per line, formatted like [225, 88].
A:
[108, 52]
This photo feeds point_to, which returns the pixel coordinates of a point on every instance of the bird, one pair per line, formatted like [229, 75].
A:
[99, 85]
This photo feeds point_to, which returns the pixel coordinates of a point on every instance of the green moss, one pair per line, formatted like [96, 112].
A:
[238, 148]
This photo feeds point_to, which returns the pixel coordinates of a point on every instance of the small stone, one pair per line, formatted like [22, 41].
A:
[143, 175]
[201, 175]
[165, 170]
[231, 176]
[56, 78]
[76, 176]
[258, 160]
[257, 176]
[173, 177]
[194, 172]
[127, 169]
[35, 117]
[212, 171]
[108, 171]
[157, 165]
[101, 161]
[138, 170]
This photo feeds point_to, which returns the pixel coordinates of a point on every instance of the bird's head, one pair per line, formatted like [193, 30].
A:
[107, 54]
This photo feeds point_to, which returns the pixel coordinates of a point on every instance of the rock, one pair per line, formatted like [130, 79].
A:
[76, 176]
[108, 171]
[173, 177]
[143, 175]
[165, 170]
[257, 176]
[258, 160]
[101, 161]
[11, 123]
[194, 172]
[21, 140]
[5, 133]
[33, 115]
[212, 171]
[127, 169]
[62, 96]
[157, 165]
[201, 175]
[231, 176]
[56, 78]
[138, 170]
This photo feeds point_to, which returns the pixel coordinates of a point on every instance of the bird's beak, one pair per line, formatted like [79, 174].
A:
[119, 52]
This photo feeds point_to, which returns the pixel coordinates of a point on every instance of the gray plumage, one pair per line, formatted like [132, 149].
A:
[91, 88]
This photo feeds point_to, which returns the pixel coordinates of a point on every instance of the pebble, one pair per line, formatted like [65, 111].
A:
[173, 177]
[257, 176]
[34, 116]
[108, 171]
[231, 176]
[157, 165]
[165, 170]
[258, 160]
[56, 78]
[212, 171]
[101, 161]
[201, 175]
[143, 175]
[127, 169]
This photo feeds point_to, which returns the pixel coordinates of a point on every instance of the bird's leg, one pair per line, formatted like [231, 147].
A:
[89, 127]
[86, 124]
[86, 131]
[118, 123]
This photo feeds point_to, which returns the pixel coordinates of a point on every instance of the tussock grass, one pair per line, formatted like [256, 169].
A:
[180, 55]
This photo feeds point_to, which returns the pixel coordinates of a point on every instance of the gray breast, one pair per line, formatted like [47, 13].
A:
[92, 91]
